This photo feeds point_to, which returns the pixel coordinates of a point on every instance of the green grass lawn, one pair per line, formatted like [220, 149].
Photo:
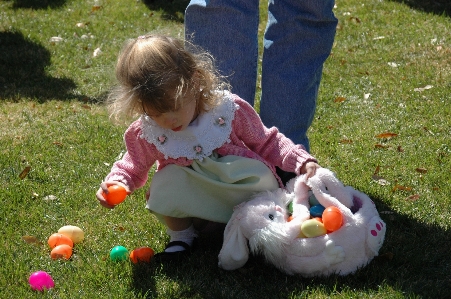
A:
[383, 125]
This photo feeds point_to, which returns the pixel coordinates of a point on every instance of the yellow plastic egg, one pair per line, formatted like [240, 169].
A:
[313, 228]
[75, 233]
[301, 235]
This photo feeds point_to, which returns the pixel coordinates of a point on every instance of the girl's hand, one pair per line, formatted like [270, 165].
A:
[104, 189]
[309, 169]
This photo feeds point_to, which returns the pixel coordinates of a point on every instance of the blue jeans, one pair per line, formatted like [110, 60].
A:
[298, 39]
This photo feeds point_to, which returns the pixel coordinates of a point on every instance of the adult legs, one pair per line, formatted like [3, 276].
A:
[228, 29]
[298, 39]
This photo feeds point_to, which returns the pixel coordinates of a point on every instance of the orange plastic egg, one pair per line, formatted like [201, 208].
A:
[116, 194]
[61, 252]
[332, 218]
[59, 239]
[142, 254]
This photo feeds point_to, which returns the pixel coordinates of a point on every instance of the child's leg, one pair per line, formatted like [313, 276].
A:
[179, 230]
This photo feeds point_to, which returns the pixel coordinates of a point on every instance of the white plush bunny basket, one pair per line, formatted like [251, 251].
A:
[261, 225]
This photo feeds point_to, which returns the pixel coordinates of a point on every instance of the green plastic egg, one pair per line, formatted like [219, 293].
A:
[119, 253]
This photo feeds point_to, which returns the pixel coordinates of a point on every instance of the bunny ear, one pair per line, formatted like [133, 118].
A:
[330, 191]
[301, 189]
[234, 252]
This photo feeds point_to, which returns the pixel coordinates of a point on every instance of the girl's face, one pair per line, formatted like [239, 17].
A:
[178, 119]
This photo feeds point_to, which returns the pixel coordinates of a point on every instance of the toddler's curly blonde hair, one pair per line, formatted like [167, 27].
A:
[154, 72]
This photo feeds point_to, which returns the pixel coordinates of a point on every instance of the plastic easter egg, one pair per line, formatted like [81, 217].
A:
[75, 233]
[313, 228]
[41, 280]
[59, 239]
[116, 194]
[312, 199]
[316, 211]
[141, 254]
[332, 219]
[301, 235]
[119, 253]
[63, 251]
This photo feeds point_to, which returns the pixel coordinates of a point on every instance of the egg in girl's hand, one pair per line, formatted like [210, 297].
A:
[116, 194]
[58, 239]
[61, 252]
[75, 233]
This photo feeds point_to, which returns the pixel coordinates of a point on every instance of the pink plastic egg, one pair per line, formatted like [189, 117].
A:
[41, 280]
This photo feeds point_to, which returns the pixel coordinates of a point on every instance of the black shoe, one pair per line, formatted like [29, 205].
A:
[176, 256]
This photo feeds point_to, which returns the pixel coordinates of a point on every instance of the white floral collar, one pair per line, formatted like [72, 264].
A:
[209, 131]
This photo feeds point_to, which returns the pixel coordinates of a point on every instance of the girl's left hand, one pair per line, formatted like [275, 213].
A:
[309, 169]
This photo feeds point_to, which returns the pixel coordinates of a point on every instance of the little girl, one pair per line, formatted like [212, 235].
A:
[210, 147]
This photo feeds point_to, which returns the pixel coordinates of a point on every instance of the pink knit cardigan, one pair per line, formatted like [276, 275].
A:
[249, 138]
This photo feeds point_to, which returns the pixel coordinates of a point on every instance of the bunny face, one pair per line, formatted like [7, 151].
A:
[260, 213]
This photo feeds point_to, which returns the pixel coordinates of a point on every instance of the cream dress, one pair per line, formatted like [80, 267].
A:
[212, 185]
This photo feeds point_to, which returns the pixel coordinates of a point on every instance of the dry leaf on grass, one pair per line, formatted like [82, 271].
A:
[393, 64]
[380, 180]
[420, 89]
[413, 197]
[339, 99]
[24, 172]
[345, 141]
[386, 135]
[421, 170]
[400, 187]
[31, 240]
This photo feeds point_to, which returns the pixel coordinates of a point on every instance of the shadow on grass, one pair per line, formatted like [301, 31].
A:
[38, 4]
[413, 261]
[22, 65]
[438, 7]
[174, 10]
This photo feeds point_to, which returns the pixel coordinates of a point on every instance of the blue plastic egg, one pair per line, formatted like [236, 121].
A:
[316, 211]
